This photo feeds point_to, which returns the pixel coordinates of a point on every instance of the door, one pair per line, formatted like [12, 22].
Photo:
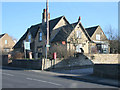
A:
[78, 48]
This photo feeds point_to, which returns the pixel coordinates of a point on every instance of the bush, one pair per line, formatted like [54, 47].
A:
[17, 55]
[61, 51]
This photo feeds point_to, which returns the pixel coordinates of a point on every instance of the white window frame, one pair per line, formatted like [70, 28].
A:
[97, 36]
[78, 34]
[7, 50]
[6, 42]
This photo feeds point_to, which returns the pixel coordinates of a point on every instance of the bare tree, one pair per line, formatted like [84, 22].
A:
[113, 40]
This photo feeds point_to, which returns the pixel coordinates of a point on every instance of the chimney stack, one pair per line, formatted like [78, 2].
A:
[44, 16]
[79, 19]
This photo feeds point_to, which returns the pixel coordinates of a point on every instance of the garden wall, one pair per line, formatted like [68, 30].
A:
[107, 70]
[29, 64]
[104, 58]
[4, 60]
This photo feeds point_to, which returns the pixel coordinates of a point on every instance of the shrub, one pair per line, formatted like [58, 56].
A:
[61, 51]
[17, 55]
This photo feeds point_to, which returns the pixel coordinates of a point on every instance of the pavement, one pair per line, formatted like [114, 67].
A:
[85, 75]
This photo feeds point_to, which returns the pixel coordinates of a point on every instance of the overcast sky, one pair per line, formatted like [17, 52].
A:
[17, 17]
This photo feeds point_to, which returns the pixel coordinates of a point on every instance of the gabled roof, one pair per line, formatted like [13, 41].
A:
[64, 32]
[34, 29]
[52, 24]
[85, 32]
[19, 43]
[2, 35]
[91, 30]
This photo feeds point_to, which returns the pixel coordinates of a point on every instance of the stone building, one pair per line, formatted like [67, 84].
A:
[6, 43]
[72, 36]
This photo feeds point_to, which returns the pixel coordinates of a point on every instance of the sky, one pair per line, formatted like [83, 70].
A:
[17, 17]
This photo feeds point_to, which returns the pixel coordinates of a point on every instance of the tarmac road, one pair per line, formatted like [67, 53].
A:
[29, 79]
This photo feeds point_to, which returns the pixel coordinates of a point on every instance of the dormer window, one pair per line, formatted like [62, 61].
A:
[78, 34]
[40, 36]
[29, 38]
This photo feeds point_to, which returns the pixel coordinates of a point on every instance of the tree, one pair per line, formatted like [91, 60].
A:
[74, 40]
[113, 40]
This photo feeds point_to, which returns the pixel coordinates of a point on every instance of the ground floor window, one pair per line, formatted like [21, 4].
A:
[102, 48]
[6, 50]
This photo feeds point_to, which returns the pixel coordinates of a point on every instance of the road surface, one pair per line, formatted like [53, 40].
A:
[42, 79]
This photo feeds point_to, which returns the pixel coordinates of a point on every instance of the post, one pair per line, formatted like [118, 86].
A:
[47, 29]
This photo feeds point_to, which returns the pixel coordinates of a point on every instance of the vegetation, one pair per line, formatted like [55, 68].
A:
[61, 51]
[114, 40]
[17, 55]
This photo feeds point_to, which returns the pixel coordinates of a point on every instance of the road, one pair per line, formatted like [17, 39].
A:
[42, 79]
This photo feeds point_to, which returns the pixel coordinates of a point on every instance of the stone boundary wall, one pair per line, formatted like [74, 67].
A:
[104, 58]
[107, 70]
[4, 60]
[71, 63]
[29, 64]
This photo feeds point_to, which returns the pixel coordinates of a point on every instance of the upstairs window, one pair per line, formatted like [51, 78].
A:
[40, 36]
[78, 34]
[97, 36]
[6, 41]
[29, 38]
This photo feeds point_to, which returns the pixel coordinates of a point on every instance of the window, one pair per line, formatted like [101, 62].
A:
[40, 36]
[29, 38]
[97, 36]
[6, 42]
[6, 50]
[78, 33]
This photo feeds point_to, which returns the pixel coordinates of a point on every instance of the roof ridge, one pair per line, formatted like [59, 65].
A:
[92, 26]
[56, 18]
[49, 21]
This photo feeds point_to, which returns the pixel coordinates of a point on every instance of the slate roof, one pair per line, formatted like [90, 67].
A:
[64, 32]
[34, 29]
[19, 43]
[2, 35]
[91, 30]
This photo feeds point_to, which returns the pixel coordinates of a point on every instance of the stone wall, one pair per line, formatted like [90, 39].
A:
[107, 70]
[104, 58]
[29, 64]
[4, 59]
[71, 63]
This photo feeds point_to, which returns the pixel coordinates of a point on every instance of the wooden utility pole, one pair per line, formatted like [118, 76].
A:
[47, 29]
[47, 20]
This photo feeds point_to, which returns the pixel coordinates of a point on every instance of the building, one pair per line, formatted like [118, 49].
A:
[99, 38]
[72, 36]
[6, 43]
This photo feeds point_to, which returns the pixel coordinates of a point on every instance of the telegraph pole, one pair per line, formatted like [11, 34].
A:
[47, 29]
